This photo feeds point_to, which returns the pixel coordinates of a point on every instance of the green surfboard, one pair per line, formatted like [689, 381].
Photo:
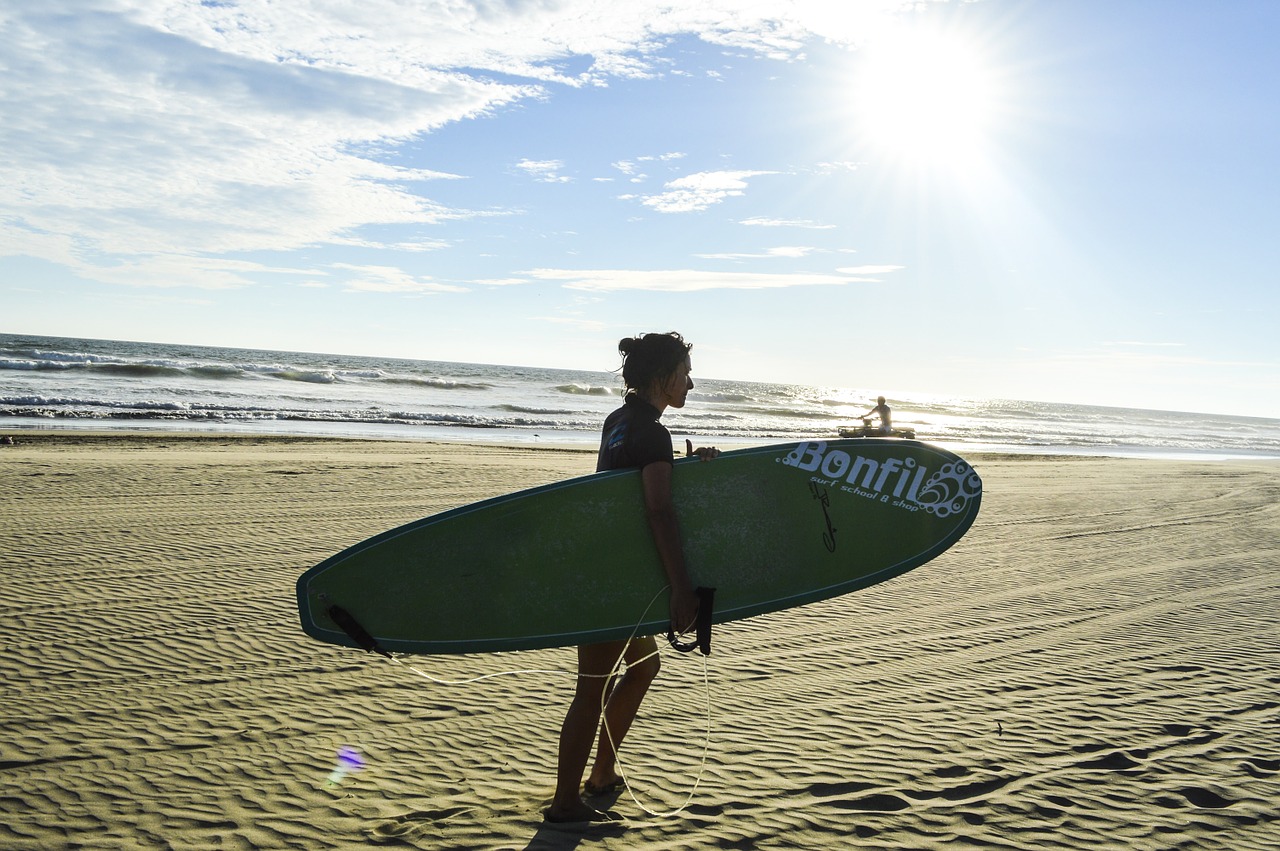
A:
[574, 562]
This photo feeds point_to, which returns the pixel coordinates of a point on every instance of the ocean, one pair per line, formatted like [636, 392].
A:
[65, 383]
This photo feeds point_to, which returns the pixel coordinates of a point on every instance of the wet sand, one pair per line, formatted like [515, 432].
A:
[1093, 666]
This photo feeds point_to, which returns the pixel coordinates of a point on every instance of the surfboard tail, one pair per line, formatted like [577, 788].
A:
[354, 630]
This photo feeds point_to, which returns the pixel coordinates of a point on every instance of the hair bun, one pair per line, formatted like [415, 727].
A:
[651, 357]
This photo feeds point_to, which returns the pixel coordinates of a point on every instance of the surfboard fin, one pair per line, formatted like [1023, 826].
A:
[702, 643]
[354, 630]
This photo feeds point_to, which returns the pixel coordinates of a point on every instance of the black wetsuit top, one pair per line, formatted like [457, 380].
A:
[633, 437]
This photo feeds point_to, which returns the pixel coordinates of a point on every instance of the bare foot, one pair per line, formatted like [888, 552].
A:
[575, 813]
[593, 788]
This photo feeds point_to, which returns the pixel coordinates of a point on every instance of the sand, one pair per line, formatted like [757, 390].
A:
[1093, 666]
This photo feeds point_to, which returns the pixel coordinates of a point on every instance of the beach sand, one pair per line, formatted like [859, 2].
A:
[1093, 666]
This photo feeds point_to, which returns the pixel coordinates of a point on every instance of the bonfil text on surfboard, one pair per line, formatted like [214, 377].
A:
[900, 481]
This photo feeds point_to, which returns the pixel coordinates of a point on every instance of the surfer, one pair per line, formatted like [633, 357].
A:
[882, 411]
[655, 371]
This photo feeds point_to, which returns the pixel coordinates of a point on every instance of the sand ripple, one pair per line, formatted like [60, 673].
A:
[1093, 666]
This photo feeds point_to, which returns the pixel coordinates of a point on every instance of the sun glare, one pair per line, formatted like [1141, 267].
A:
[923, 97]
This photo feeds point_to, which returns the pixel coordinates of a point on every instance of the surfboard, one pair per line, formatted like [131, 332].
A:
[574, 562]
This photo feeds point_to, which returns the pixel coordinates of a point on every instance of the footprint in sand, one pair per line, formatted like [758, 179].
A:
[414, 822]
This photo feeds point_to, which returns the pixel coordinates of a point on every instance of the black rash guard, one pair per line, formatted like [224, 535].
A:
[633, 437]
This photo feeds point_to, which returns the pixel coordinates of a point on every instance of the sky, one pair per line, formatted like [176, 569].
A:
[1052, 200]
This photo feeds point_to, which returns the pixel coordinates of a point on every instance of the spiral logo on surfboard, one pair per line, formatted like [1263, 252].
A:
[900, 481]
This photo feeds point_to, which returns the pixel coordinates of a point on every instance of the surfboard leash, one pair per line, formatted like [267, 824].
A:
[705, 601]
[706, 741]
[706, 596]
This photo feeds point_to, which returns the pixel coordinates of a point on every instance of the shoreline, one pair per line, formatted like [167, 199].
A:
[119, 385]
[578, 441]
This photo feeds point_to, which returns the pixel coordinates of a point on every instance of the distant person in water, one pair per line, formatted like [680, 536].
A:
[655, 371]
[881, 410]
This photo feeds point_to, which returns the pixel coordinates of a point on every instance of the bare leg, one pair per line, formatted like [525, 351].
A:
[578, 732]
[624, 704]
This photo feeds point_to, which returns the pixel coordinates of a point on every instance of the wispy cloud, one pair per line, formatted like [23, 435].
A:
[782, 251]
[868, 270]
[389, 279]
[696, 192]
[168, 271]
[544, 171]
[682, 280]
[1144, 345]
[130, 148]
[414, 247]
[630, 167]
[762, 222]
[162, 134]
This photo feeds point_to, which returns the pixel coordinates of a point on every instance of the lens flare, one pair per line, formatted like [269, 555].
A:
[350, 761]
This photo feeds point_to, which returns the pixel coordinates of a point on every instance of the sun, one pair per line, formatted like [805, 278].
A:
[923, 97]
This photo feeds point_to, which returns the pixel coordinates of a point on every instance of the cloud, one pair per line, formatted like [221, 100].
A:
[761, 221]
[389, 279]
[520, 38]
[829, 167]
[544, 171]
[1138, 344]
[696, 192]
[631, 168]
[681, 280]
[868, 270]
[415, 246]
[169, 270]
[151, 136]
[125, 139]
[782, 251]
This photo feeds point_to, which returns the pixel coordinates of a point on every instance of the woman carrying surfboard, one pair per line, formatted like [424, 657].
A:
[655, 371]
